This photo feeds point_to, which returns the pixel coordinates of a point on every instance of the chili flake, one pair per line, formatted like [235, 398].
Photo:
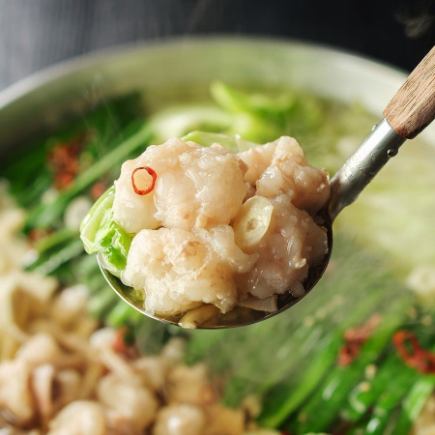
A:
[36, 234]
[355, 338]
[412, 353]
[143, 180]
[64, 161]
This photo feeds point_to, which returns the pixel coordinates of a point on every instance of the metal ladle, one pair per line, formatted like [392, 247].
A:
[407, 114]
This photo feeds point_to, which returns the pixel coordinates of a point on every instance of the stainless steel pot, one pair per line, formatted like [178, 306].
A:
[175, 69]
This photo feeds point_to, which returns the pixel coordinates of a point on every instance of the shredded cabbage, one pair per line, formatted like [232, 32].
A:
[101, 234]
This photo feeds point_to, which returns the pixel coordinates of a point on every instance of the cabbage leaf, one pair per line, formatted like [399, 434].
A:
[100, 234]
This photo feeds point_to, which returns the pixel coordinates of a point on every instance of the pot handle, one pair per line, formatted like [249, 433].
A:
[413, 106]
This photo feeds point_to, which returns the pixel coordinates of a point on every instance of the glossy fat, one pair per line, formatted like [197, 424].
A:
[180, 420]
[180, 270]
[196, 187]
[293, 244]
[280, 167]
[129, 399]
[79, 417]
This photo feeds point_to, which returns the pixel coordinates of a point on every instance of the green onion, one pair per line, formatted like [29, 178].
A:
[44, 215]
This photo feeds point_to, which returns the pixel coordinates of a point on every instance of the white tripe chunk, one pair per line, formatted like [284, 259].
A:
[221, 240]
[219, 188]
[280, 167]
[222, 420]
[128, 398]
[196, 186]
[190, 384]
[79, 417]
[173, 351]
[70, 304]
[14, 248]
[179, 269]
[152, 371]
[180, 420]
[38, 350]
[15, 395]
[293, 244]
[257, 160]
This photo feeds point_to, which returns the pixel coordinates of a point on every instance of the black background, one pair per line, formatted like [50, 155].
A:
[37, 33]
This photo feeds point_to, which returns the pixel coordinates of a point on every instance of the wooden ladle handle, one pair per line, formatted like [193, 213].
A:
[413, 106]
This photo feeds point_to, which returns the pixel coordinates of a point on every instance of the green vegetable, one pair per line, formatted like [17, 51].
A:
[323, 407]
[289, 394]
[54, 251]
[180, 120]
[404, 386]
[44, 215]
[48, 264]
[284, 399]
[150, 335]
[101, 303]
[365, 393]
[93, 221]
[101, 234]
[413, 404]
[263, 105]
[55, 239]
[100, 126]
[262, 118]
[115, 244]
[385, 412]
[233, 142]
[86, 268]
[96, 284]
[120, 315]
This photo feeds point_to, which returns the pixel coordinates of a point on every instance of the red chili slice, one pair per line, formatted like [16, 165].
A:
[150, 186]
[412, 353]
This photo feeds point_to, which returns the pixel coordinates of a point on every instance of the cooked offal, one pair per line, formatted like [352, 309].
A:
[220, 228]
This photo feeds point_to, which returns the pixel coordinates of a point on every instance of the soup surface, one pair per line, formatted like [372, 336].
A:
[326, 367]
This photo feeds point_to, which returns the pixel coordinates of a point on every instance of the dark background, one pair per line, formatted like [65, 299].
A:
[37, 33]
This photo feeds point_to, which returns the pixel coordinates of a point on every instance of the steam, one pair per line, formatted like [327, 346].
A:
[417, 17]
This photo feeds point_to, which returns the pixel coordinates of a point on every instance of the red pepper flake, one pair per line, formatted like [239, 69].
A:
[63, 179]
[120, 345]
[412, 353]
[98, 189]
[355, 338]
[64, 161]
[143, 180]
[36, 234]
